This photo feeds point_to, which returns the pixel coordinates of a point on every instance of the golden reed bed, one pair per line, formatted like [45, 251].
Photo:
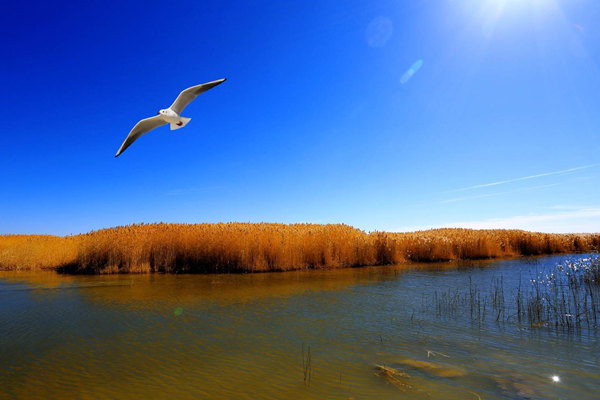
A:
[248, 247]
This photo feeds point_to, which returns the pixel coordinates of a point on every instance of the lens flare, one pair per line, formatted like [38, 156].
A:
[379, 31]
[178, 311]
[411, 71]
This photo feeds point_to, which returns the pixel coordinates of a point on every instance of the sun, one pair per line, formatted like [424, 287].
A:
[492, 12]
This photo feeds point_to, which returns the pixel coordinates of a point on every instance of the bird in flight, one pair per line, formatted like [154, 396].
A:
[170, 115]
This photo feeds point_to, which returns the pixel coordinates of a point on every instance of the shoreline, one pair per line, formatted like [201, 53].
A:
[408, 264]
[265, 247]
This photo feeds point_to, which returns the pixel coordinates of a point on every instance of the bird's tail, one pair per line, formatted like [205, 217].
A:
[180, 124]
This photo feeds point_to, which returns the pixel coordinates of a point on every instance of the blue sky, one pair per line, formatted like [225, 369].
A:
[385, 115]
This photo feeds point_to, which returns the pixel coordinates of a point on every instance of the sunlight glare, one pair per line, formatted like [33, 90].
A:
[492, 11]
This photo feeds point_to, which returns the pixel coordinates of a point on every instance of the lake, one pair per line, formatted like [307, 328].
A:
[365, 333]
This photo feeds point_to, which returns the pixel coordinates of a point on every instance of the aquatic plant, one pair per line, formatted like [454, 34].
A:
[567, 297]
[258, 247]
[306, 365]
[393, 376]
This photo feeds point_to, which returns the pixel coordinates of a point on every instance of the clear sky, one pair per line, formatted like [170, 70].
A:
[384, 115]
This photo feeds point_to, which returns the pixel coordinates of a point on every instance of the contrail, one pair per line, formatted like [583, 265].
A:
[524, 178]
[480, 196]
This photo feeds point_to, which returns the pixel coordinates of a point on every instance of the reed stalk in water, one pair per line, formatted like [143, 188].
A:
[306, 365]
[568, 297]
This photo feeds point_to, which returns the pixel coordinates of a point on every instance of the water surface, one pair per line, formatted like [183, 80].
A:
[248, 336]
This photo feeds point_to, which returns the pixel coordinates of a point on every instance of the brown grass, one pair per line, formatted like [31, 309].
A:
[247, 247]
[34, 252]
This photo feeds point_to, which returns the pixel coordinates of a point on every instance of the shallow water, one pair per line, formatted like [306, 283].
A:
[248, 336]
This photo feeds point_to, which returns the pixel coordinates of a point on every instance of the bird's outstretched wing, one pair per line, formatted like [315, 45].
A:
[144, 126]
[191, 93]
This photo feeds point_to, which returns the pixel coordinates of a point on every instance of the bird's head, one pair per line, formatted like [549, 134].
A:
[161, 112]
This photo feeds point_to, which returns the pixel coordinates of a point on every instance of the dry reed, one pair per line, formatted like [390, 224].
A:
[259, 247]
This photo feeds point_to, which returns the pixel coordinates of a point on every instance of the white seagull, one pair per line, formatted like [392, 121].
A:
[169, 115]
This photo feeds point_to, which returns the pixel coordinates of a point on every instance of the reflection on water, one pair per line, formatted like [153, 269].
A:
[241, 336]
